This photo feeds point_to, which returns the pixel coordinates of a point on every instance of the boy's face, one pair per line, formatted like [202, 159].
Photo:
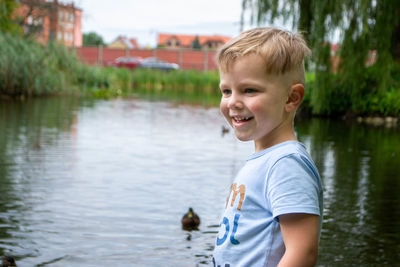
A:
[254, 103]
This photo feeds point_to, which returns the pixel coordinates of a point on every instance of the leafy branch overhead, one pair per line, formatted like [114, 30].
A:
[361, 27]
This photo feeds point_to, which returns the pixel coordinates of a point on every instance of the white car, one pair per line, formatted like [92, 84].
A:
[156, 63]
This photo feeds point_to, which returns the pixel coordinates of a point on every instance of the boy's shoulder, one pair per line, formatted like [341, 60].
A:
[292, 149]
[289, 153]
[292, 157]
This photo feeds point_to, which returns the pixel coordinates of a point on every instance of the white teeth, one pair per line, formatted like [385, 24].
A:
[241, 118]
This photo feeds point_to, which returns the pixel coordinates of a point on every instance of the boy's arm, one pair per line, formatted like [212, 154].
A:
[300, 235]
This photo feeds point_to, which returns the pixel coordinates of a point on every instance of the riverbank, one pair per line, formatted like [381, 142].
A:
[379, 121]
[29, 69]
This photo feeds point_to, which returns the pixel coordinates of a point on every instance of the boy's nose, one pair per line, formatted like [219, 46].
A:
[235, 102]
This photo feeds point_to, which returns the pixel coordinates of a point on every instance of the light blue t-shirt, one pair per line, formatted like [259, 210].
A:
[279, 180]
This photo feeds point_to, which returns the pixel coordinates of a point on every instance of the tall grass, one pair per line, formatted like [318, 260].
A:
[32, 69]
[28, 68]
[185, 85]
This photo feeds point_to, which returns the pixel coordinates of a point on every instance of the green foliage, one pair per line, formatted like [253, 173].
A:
[370, 100]
[196, 43]
[364, 26]
[28, 68]
[7, 22]
[183, 85]
[92, 39]
[31, 69]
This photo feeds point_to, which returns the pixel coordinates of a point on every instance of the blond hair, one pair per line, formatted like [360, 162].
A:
[282, 51]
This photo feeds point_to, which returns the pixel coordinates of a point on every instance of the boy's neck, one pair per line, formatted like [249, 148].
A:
[281, 134]
[260, 148]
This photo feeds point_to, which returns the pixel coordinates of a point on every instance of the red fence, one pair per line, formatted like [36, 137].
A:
[186, 58]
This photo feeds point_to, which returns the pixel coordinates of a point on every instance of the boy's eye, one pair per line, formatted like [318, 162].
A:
[249, 90]
[226, 91]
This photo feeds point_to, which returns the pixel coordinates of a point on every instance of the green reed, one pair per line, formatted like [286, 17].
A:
[28, 68]
[183, 85]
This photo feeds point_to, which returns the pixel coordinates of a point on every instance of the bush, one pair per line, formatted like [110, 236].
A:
[330, 96]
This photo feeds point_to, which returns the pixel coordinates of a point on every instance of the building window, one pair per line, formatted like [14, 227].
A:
[59, 35]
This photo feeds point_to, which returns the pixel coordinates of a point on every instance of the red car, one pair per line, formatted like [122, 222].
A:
[125, 62]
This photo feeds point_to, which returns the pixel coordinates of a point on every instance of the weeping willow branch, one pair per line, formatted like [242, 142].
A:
[362, 28]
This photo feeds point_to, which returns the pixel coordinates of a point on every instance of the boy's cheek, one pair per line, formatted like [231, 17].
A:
[226, 115]
[223, 106]
[225, 112]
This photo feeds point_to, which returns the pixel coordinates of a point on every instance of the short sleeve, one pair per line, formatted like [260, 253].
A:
[293, 186]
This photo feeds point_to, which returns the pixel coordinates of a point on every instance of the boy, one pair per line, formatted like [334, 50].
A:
[273, 212]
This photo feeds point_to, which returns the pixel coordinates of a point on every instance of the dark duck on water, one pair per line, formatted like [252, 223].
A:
[8, 261]
[190, 221]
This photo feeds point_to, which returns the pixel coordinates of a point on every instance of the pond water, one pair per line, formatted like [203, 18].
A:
[105, 183]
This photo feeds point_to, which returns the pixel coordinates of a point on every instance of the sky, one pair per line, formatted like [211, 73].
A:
[144, 19]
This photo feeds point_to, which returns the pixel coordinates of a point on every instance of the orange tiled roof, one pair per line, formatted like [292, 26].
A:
[186, 40]
[134, 42]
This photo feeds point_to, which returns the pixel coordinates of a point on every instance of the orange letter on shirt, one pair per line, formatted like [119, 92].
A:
[240, 190]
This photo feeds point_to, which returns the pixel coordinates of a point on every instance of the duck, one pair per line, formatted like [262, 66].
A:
[224, 130]
[190, 221]
[8, 261]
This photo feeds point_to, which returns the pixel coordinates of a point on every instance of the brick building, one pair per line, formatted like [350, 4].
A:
[52, 20]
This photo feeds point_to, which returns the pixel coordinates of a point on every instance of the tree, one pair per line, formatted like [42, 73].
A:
[364, 27]
[196, 43]
[7, 20]
[92, 39]
[31, 19]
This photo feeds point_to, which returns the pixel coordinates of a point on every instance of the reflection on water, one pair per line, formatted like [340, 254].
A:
[106, 183]
[360, 167]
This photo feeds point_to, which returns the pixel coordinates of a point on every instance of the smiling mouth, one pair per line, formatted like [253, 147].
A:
[241, 119]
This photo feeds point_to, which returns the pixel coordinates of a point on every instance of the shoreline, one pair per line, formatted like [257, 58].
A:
[387, 121]
[303, 112]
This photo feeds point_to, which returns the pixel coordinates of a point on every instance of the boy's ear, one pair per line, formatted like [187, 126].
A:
[296, 94]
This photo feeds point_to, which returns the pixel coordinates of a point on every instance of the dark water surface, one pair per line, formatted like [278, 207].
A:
[105, 183]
